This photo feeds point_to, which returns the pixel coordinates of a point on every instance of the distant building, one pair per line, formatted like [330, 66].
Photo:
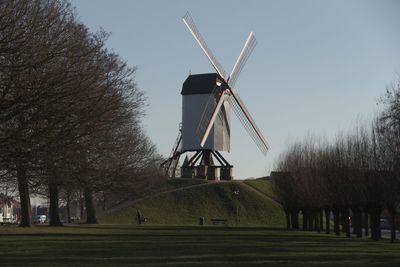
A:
[9, 209]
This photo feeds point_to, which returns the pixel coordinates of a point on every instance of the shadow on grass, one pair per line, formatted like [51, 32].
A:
[113, 245]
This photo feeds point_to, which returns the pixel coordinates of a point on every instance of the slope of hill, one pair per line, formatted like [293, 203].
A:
[262, 185]
[213, 200]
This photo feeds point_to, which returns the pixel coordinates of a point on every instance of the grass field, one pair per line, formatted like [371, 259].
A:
[257, 242]
[123, 245]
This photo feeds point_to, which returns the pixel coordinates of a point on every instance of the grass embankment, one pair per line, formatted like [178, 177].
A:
[263, 185]
[214, 200]
[182, 182]
[116, 245]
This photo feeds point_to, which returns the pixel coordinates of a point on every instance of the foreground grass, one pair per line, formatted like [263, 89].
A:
[116, 245]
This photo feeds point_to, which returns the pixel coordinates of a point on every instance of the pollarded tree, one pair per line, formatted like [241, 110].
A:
[387, 147]
[300, 185]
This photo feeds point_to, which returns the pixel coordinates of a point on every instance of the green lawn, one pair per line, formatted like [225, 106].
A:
[123, 245]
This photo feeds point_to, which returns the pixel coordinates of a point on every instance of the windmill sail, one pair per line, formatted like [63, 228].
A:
[248, 47]
[244, 117]
[187, 19]
[215, 112]
[220, 95]
[210, 106]
[208, 112]
[248, 123]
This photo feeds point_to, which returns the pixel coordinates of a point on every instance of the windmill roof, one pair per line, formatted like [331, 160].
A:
[200, 84]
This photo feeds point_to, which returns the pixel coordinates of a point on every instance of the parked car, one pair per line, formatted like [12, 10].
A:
[40, 219]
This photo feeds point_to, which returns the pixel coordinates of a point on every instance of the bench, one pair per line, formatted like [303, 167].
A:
[219, 221]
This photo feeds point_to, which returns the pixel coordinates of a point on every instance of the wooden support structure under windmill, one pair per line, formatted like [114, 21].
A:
[201, 165]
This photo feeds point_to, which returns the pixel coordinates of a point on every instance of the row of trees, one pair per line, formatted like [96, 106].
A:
[70, 110]
[357, 174]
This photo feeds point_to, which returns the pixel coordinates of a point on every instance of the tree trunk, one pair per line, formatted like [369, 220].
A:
[327, 220]
[357, 221]
[310, 221]
[305, 219]
[375, 223]
[354, 220]
[345, 219]
[82, 206]
[321, 220]
[53, 198]
[104, 201]
[360, 218]
[359, 225]
[68, 206]
[342, 221]
[378, 222]
[316, 222]
[336, 221]
[90, 209]
[366, 222]
[295, 218]
[392, 212]
[23, 188]
[287, 214]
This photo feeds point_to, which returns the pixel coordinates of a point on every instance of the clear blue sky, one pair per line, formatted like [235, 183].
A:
[318, 65]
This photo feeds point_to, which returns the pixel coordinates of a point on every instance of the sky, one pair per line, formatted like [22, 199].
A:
[319, 66]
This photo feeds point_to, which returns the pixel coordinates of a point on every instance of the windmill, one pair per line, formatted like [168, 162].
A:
[207, 101]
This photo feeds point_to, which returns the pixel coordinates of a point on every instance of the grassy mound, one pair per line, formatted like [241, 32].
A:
[182, 182]
[263, 185]
[214, 200]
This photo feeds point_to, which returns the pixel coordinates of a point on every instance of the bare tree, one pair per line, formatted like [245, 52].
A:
[31, 39]
[68, 106]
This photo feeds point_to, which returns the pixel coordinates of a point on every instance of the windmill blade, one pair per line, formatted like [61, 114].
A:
[208, 112]
[240, 115]
[187, 19]
[248, 123]
[216, 110]
[248, 47]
